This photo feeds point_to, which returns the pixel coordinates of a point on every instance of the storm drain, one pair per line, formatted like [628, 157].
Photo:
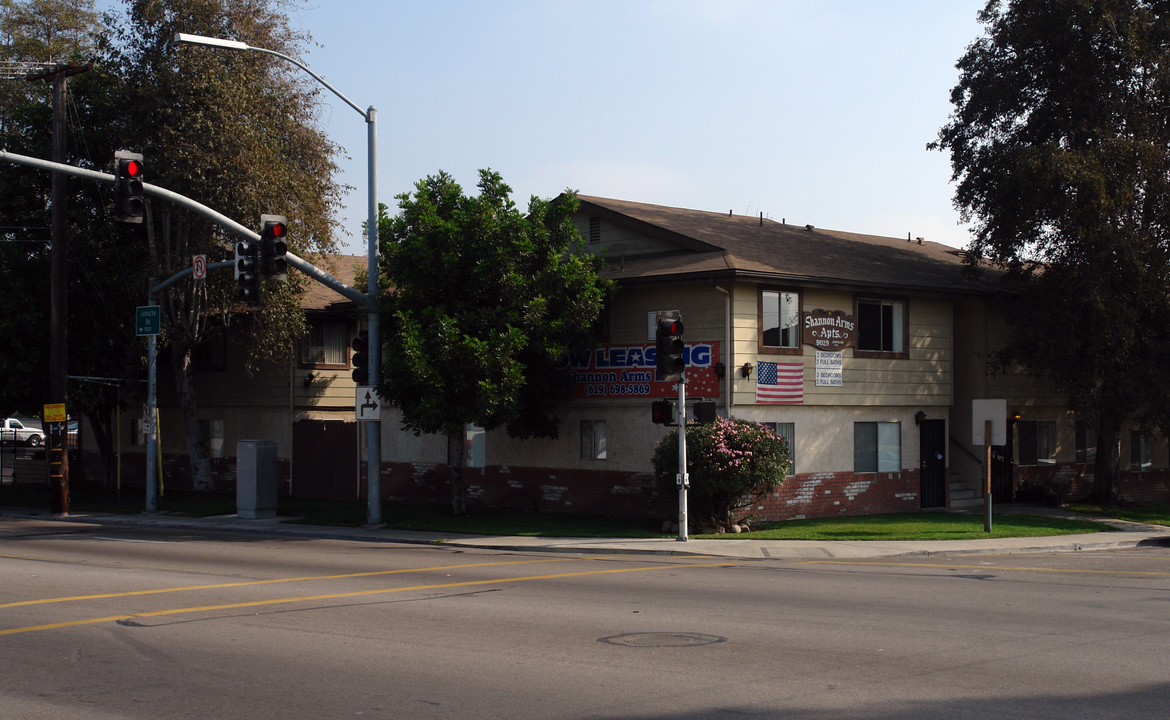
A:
[662, 640]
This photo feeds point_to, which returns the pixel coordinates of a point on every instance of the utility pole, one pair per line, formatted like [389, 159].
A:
[58, 451]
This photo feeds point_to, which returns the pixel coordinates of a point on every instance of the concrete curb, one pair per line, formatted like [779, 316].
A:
[1127, 535]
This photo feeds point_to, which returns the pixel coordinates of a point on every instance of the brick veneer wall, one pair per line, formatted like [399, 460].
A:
[638, 494]
[815, 495]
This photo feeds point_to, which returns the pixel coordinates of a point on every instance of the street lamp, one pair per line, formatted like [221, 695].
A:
[373, 427]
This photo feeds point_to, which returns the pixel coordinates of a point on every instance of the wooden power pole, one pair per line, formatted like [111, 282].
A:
[57, 445]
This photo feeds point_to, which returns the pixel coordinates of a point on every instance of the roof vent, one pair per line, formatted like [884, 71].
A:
[920, 240]
[810, 228]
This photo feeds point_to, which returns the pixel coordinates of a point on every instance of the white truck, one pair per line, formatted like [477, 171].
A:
[13, 430]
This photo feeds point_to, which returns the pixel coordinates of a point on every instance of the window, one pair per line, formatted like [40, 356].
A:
[787, 431]
[1035, 442]
[1140, 454]
[594, 229]
[881, 326]
[326, 343]
[593, 439]
[779, 317]
[1086, 443]
[877, 447]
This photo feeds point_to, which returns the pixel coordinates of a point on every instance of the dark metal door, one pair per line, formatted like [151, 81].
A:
[932, 444]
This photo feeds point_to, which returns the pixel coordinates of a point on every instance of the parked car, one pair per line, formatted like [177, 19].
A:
[22, 433]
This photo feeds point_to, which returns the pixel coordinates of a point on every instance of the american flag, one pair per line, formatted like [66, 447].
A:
[780, 383]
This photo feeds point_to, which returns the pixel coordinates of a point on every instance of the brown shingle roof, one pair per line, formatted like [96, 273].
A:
[342, 267]
[718, 243]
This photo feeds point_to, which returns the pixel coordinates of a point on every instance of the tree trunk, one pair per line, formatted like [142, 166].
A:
[1108, 466]
[201, 478]
[456, 460]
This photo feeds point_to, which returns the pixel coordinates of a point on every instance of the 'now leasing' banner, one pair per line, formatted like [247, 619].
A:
[613, 371]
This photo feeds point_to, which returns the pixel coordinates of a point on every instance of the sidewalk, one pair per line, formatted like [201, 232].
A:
[1128, 535]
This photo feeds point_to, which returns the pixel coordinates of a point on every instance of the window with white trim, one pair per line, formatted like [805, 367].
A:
[779, 316]
[593, 439]
[877, 447]
[787, 431]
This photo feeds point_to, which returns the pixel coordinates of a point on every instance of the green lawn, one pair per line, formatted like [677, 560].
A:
[902, 526]
[919, 526]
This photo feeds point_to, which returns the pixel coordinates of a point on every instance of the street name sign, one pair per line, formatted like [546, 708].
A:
[147, 320]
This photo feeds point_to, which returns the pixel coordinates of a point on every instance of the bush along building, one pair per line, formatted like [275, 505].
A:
[864, 352]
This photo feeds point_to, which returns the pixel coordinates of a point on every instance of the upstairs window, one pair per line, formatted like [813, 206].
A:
[881, 327]
[779, 317]
[327, 343]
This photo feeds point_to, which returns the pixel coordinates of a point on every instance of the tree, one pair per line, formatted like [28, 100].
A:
[482, 304]
[235, 131]
[732, 464]
[42, 33]
[1060, 150]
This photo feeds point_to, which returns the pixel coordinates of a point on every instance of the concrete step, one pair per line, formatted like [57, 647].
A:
[966, 503]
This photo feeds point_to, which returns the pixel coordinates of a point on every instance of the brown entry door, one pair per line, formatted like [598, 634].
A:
[325, 460]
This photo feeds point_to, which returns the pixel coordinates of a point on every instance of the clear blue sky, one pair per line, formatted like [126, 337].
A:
[815, 111]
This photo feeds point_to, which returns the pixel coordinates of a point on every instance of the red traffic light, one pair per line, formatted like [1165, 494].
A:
[276, 229]
[132, 168]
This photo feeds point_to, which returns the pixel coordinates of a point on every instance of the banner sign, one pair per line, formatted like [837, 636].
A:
[613, 371]
[826, 330]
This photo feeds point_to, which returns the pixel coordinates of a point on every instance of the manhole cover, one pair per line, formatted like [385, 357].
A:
[662, 639]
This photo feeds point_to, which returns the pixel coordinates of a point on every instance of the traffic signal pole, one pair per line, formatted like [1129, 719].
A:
[684, 478]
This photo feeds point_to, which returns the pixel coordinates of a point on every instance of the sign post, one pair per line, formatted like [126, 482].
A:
[988, 427]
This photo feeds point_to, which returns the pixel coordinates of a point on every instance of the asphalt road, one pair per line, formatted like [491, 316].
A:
[121, 622]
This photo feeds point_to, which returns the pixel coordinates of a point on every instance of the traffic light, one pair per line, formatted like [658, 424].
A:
[662, 412]
[129, 206]
[669, 345]
[361, 358]
[704, 413]
[248, 271]
[273, 231]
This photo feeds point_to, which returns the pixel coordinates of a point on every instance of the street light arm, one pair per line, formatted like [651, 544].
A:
[237, 45]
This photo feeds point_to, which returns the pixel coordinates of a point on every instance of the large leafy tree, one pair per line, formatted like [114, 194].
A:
[483, 303]
[1060, 149]
[236, 131]
[37, 35]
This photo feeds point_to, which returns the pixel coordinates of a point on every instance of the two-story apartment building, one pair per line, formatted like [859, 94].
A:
[865, 352]
[844, 343]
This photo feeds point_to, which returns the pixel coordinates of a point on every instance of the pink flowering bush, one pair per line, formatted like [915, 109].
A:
[733, 465]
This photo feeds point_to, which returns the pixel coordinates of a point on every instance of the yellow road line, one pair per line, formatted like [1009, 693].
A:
[982, 567]
[245, 583]
[356, 593]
